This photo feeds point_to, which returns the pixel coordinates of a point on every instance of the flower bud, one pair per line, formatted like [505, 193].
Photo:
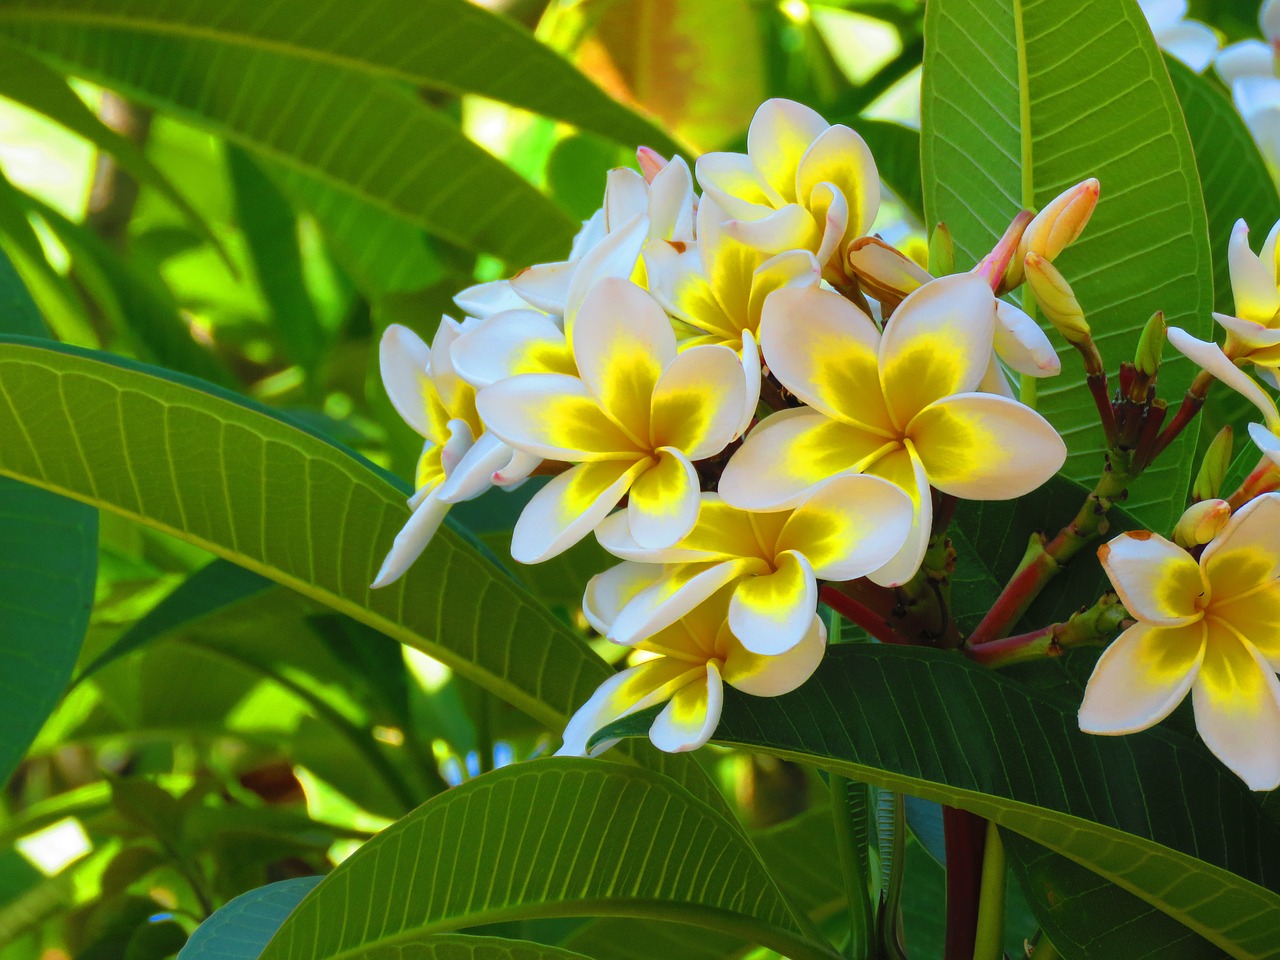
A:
[651, 162]
[1214, 467]
[1056, 299]
[1146, 361]
[942, 252]
[1201, 523]
[883, 271]
[1060, 222]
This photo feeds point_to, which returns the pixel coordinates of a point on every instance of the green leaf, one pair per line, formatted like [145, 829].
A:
[897, 152]
[559, 837]
[1087, 918]
[1022, 99]
[1233, 173]
[270, 229]
[448, 44]
[366, 136]
[26, 80]
[228, 475]
[1137, 810]
[48, 563]
[242, 928]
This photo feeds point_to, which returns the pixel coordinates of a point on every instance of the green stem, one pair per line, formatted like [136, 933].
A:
[989, 943]
[1087, 628]
[890, 917]
[848, 809]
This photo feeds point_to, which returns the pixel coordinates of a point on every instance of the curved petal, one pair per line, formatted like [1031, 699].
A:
[903, 467]
[830, 210]
[671, 202]
[517, 469]
[697, 403]
[678, 592]
[826, 351]
[405, 362]
[693, 714]
[849, 527]
[569, 507]
[840, 157]
[553, 416]
[615, 257]
[779, 136]
[1246, 554]
[678, 282]
[979, 446]
[1254, 336]
[485, 299]
[752, 375]
[473, 474]
[772, 676]
[622, 341]
[626, 196]
[632, 690]
[1211, 358]
[1022, 344]
[770, 613]
[790, 453]
[510, 343]
[663, 502]
[996, 381]
[1157, 581]
[1246, 58]
[937, 343]
[1255, 615]
[1141, 677]
[608, 592]
[1253, 283]
[411, 540]
[1266, 441]
[791, 227]
[736, 186]
[1237, 705]
[545, 285]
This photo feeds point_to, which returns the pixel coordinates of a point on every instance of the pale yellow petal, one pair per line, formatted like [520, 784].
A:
[840, 157]
[569, 507]
[771, 613]
[555, 417]
[510, 343]
[1237, 707]
[1253, 283]
[663, 502]
[1157, 581]
[850, 527]
[681, 589]
[1246, 554]
[689, 720]
[697, 402]
[1255, 615]
[736, 186]
[608, 592]
[779, 136]
[1141, 677]
[772, 676]
[903, 468]
[625, 693]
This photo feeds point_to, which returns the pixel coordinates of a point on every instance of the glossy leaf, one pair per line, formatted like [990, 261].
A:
[1087, 918]
[448, 44]
[48, 562]
[513, 844]
[907, 719]
[230, 476]
[1024, 98]
[424, 171]
[242, 928]
[897, 152]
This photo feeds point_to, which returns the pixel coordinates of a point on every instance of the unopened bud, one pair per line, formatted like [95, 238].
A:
[1214, 467]
[651, 162]
[942, 252]
[1201, 523]
[1056, 299]
[883, 271]
[1060, 222]
[1146, 361]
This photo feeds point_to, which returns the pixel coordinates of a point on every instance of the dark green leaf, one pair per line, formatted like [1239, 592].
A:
[242, 928]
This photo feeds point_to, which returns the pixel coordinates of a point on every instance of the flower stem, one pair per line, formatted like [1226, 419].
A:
[1187, 410]
[964, 835]
[989, 942]
[848, 808]
[858, 613]
[1087, 628]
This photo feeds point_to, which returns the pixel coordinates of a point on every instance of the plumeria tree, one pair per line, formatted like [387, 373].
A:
[558, 523]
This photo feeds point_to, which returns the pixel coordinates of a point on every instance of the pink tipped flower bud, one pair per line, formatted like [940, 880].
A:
[1201, 523]
[651, 162]
[1060, 222]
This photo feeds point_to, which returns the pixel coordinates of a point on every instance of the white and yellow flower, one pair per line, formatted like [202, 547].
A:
[1208, 627]
[687, 665]
[426, 391]
[1253, 332]
[1210, 357]
[1249, 68]
[803, 184]
[902, 406]
[848, 528]
[633, 421]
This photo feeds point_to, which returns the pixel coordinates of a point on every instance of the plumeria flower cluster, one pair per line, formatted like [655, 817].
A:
[743, 395]
[1249, 68]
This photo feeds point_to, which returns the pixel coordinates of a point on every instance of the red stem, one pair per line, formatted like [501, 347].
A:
[964, 835]
[1187, 411]
[857, 613]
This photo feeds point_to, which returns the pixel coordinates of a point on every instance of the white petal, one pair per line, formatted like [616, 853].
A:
[1022, 344]
[1158, 582]
[614, 534]
[1242, 734]
[663, 502]
[907, 561]
[623, 694]
[1266, 441]
[671, 203]
[615, 256]
[751, 375]
[473, 474]
[1162, 14]
[693, 714]
[736, 186]
[770, 613]
[486, 299]
[1252, 335]
[608, 592]
[849, 527]
[780, 133]
[791, 227]
[517, 470]
[1246, 58]
[670, 598]
[569, 507]
[626, 197]
[1141, 677]
[507, 344]
[412, 540]
[545, 285]
[1253, 283]
[1269, 19]
[1255, 530]
[1254, 95]
[1192, 42]
[772, 676]
[996, 381]
[1210, 357]
[405, 362]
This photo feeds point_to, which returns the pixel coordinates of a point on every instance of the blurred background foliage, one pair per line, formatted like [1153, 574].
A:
[254, 214]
